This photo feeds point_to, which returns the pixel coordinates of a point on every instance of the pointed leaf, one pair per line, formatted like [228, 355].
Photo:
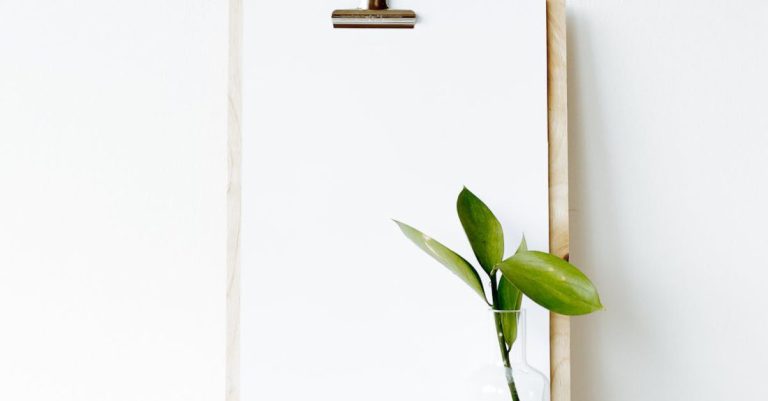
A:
[551, 282]
[482, 228]
[510, 298]
[453, 261]
[523, 245]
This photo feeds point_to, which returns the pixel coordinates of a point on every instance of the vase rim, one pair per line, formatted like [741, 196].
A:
[507, 310]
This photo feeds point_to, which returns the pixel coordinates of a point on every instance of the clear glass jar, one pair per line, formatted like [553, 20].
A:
[509, 377]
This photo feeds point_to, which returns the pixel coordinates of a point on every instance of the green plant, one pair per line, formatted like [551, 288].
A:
[546, 279]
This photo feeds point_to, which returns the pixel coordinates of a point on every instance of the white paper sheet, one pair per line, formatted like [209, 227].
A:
[345, 129]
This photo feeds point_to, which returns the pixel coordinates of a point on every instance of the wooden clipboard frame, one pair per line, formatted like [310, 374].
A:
[234, 200]
[557, 93]
[559, 235]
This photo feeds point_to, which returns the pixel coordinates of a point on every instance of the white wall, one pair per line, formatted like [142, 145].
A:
[669, 137]
[668, 142]
[112, 200]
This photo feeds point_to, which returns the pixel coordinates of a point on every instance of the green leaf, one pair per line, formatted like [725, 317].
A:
[448, 258]
[510, 298]
[551, 282]
[482, 228]
[523, 246]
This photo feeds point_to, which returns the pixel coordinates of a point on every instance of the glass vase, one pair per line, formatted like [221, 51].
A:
[508, 377]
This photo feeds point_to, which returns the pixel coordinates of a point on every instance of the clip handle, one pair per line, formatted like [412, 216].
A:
[377, 5]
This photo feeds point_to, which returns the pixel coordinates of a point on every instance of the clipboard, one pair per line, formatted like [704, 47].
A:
[558, 193]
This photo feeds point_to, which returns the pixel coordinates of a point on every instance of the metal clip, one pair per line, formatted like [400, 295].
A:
[377, 15]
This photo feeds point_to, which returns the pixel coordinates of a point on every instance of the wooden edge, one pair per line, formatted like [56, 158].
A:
[234, 156]
[559, 237]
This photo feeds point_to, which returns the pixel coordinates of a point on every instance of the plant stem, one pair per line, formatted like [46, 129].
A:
[502, 342]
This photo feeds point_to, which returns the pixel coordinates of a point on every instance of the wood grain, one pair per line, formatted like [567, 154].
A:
[234, 156]
[559, 237]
